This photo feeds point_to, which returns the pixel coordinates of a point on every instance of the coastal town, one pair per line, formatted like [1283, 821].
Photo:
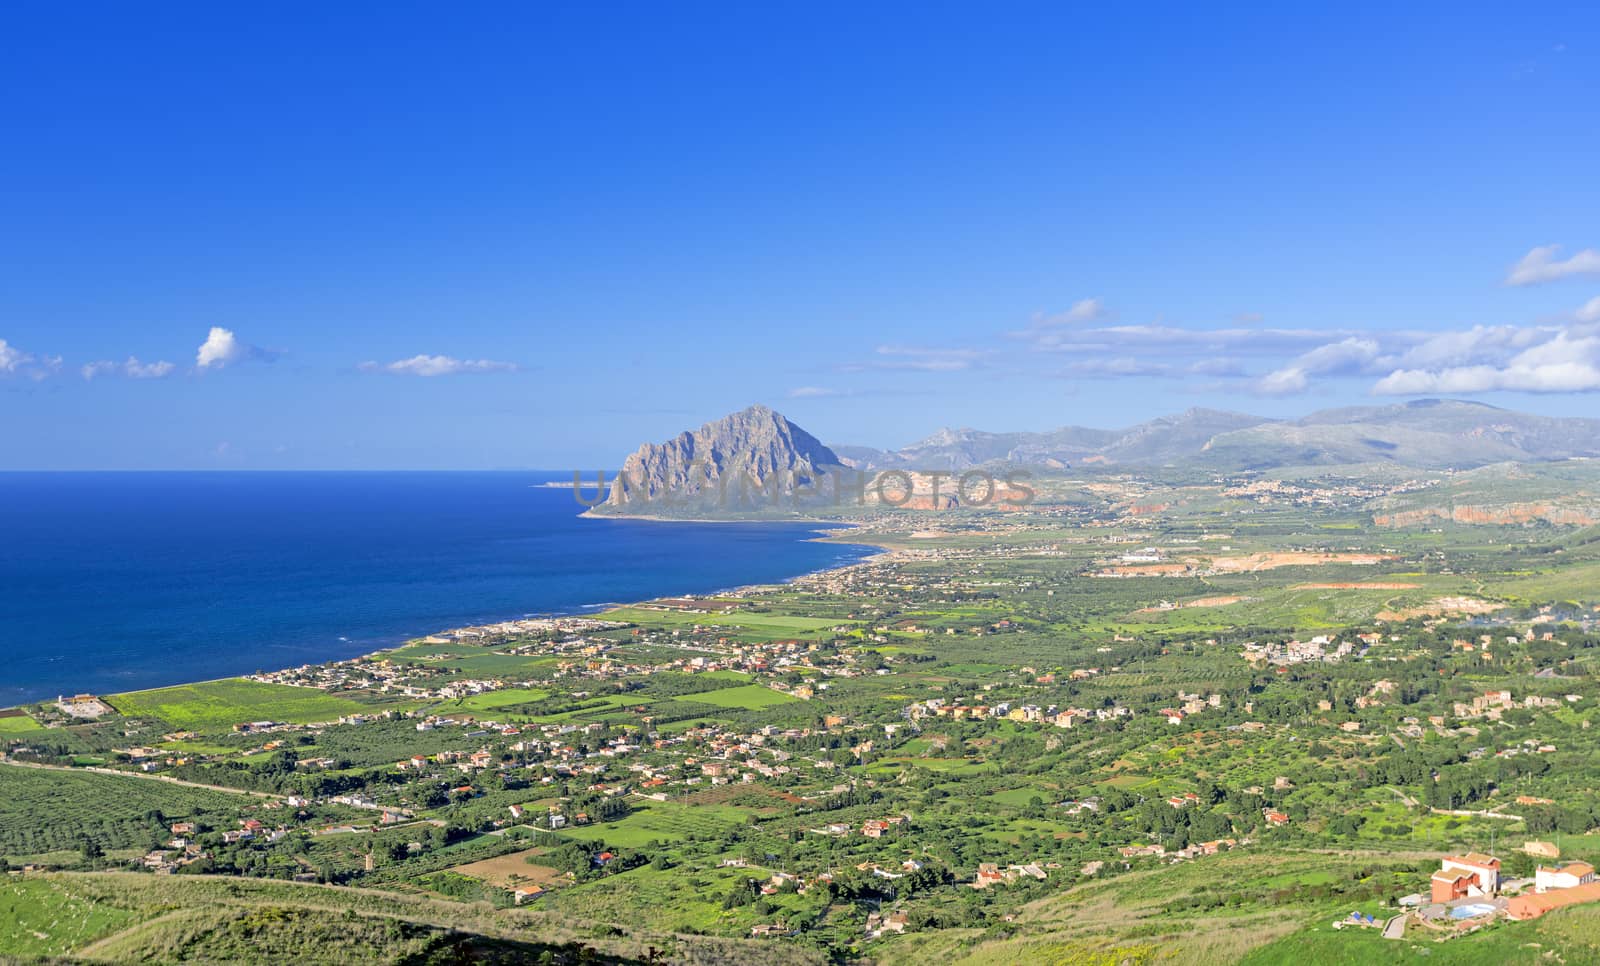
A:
[802, 763]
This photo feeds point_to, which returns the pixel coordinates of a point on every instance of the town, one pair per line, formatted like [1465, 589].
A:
[952, 738]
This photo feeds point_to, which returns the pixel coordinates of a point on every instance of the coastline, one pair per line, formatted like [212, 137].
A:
[880, 551]
[590, 514]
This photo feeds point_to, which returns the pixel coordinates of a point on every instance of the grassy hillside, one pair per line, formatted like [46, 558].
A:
[124, 918]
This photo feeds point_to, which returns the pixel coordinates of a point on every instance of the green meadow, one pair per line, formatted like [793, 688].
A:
[214, 706]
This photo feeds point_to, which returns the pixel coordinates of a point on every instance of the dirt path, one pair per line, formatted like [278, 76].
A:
[1406, 799]
[134, 774]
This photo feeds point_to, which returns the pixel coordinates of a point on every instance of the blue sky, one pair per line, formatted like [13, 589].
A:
[377, 236]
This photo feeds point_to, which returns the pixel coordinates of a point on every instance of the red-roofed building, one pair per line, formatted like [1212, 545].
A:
[1568, 876]
[1460, 876]
[1449, 886]
[1537, 904]
[1486, 866]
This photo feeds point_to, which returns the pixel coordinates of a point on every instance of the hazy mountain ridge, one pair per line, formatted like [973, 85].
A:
[756, 455]
[1427, 434]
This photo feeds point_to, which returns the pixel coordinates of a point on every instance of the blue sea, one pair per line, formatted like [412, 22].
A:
[119, 581]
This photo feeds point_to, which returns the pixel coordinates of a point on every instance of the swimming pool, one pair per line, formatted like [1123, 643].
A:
[1471, 910]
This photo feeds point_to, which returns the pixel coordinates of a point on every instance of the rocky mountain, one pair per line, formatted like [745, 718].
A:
[1430, 433]
[754, 456]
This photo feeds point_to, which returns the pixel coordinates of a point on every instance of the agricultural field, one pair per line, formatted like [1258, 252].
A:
[18, 724]
[663, 822]
[517, 869]
[216, 706]
[750, 697]
[494, 700]
[45, 810]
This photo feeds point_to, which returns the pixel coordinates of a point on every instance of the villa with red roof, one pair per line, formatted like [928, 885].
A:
[1473, 874]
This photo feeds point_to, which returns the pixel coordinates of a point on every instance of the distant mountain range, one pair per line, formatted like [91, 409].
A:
[1426, 434]
[760, 453]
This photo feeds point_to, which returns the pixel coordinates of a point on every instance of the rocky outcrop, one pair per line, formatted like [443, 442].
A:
[753, 458]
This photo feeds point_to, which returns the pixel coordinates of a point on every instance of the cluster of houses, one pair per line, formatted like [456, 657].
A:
[379, 673]
[872, 828]
[1006, 711]
[1320, 649]
[1492, 704]
[1476, 876]
[1325, 493]
[183, 848]
[991, 874]
[1554, 887]
[1194, 850]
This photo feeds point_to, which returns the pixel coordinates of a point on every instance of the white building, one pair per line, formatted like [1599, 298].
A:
[1563, 876]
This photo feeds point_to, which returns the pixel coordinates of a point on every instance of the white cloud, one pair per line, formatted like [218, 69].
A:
[15, 362]
[814, 392]
[1541, 265]
[1083, 310]
[1349, 355]
[1119, 366]
[426, 365]
[920, 359]
[11, 358]
[1185, 341]
[1564, 363]
[1346, 357]
[1479, 344]
[1216, 366]
[1287, 381]
[1590, 311]
[223, 348]
[133, 369]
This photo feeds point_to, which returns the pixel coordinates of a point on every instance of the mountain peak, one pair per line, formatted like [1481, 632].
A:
[754, 447]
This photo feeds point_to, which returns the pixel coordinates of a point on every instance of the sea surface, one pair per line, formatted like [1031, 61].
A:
[114, 582]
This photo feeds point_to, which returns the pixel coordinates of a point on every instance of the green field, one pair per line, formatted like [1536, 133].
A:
[494, 700]
[663, 821]
[18, 725]
[40, 917]
[750, 697]
[215, 706]
[42, 810]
